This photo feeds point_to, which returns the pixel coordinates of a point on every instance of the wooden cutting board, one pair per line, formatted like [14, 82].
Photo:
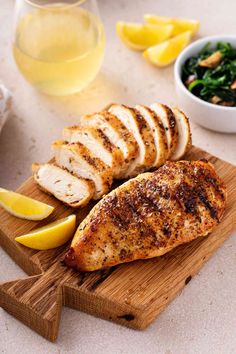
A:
[130, 294]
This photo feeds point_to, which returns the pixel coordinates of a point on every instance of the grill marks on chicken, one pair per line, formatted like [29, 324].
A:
[169, 122]
[150, 215]
[80, 161]
[119, 143]
[118, 134]
[98, 143]
[137, 125]
[158, 132]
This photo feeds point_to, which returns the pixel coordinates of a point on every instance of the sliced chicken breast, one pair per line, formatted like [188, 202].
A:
[158, 132]
[168, 120]
[79, 160]
[98, 143]
[71, 190]
[185, 139]
[135, 122]
[118, 134]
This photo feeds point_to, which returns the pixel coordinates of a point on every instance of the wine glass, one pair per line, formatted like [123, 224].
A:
[58, 46]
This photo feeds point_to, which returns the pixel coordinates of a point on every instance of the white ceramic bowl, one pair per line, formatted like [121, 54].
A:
[208, 115]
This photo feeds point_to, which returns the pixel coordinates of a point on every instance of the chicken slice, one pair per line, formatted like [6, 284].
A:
[71, 190]
[168, 119]
[79, 160]
[185, 139]
[116, 131]
[135, 122]
[158, 132]
[149, 216]
[98, 143]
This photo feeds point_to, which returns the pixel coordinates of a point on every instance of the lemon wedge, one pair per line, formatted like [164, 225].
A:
[180, 24]
[50, 236]
[166, 52]
[141, 36]
[24, 207]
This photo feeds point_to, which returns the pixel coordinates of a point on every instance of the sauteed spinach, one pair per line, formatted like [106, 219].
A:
[211, 75]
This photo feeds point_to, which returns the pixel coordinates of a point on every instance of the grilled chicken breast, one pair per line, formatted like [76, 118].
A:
[168, 119]
[135, 122]
[118, 134]
[77, 159]
[98, 143]
[184, 139]
[74, 191]
[149, 216]
[158, 132]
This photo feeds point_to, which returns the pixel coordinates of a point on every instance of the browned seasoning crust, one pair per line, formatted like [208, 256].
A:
[96, 141]
[78, 152]
[163, 153]
[150, 215]
[106, 141]
[115, 124]
[146, 133]
[123, 131]
[173, 130]
[145, 137]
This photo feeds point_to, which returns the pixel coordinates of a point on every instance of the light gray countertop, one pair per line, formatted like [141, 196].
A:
[203, 318]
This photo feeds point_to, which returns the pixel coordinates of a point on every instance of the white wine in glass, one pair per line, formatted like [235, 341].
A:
[58, 47]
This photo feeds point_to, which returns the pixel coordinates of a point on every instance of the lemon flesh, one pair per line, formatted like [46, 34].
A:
[24, 207]
[141, 36]
[179, 24]
[166, 52]
[50, 236]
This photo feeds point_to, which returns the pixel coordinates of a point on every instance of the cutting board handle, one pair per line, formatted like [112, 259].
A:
[36, 300]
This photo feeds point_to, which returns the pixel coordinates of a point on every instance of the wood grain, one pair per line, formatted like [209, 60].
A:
[130, 294]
